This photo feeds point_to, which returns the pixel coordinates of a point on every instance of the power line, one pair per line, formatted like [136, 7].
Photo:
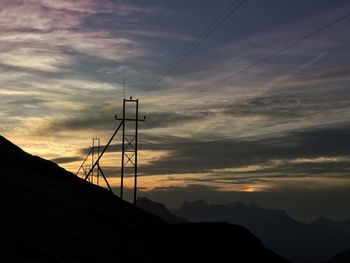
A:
[232, 9]
[313, 33]
[294, 43]
[282, 49]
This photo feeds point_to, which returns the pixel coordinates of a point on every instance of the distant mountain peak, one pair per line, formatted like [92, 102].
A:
[327, 222]
[321, 220]
[254, 206]
[197, 203]
[158, 209]
[237, 204]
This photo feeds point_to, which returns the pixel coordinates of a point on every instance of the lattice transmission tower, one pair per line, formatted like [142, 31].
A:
[129, 124]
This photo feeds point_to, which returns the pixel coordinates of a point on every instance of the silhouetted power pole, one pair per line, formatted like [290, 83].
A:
[83, 165]
[129, 141]
[129, 148]
[95, 150]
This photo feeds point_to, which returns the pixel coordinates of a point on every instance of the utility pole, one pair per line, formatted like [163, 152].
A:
[82, 166]
[129, 148]
[129, 143]
[87, 168]
[93, 159]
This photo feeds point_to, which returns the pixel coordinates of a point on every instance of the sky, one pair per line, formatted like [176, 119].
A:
[257, 112]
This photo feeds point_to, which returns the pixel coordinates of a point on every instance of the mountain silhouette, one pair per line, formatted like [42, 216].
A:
[159, 209]
[296, 241]
[343, 257]
[208, 242]
[50, 215]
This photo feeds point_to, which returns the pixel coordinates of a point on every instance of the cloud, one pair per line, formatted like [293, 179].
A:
[330, 76]
[191, 156]
[102, 119]
[158, 34]
[29, 14]
[60, 50]
[31, 58]
[63, 64]
[51, 36]
[286, 104]
[59, 14]
[118, 7]
[310, 152]
[63, 160]
[83, 6]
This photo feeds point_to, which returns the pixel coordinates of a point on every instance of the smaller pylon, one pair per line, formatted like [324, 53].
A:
[87, 168]
[94, 158]
[83, 165]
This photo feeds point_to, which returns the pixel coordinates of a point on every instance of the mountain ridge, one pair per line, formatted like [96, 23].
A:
[297, 241]
[50, 215]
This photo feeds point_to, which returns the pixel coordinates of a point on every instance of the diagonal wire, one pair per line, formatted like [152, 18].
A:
[232, 9]
[264, 59]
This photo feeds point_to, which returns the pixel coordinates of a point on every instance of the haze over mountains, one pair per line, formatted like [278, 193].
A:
[299, 242]
[50, 215]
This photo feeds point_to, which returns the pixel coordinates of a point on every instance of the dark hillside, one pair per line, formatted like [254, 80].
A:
[49, 215]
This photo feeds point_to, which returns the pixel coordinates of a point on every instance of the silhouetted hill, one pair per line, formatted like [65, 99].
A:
[343, 257]
[49, 215]
[294, 240]
[208, 242]
[159, 209]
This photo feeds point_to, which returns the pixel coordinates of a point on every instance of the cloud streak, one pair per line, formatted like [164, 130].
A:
[295, 152]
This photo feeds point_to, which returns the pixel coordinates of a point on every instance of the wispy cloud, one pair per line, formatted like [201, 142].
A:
[293, 153]
[33, 15]
[60, 50]
[50, 35]
[52, 14]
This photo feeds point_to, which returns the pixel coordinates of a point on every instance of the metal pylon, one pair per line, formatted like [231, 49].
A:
[129, 142]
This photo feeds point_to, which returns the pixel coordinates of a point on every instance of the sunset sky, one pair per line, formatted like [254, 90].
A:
[220, 126]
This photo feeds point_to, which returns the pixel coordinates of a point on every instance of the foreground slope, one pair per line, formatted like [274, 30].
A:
[49, 215]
